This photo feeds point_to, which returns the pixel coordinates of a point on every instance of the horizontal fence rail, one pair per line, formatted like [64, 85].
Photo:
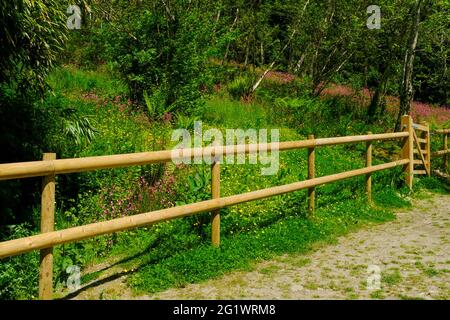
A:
[50, 239]
[64, 166]
[444, 152]
[440, 153]
[420, 127]
[49, 167]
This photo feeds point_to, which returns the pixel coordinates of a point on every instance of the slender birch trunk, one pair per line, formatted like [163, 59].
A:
[406, 88]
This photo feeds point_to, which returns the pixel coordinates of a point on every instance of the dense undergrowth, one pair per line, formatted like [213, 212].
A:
[178, 252]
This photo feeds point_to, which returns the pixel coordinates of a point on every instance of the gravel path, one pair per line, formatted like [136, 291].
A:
[403, 259]
[408, 258]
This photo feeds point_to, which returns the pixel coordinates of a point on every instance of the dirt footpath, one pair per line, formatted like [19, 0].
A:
[408, 258]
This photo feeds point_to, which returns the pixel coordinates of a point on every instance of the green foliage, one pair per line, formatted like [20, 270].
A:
[226, 113]
[18, 275]
[32, 34]
[222, 73]
[240, 87]
[185, 122]
[97, 83]
[78, 129]
[325, 117]
[26, 132]
[432, 73]
[168, 55]
[433, 184]
[156, 106]
[238, 252]
[391, 198]
[163, 53]
[197, 189]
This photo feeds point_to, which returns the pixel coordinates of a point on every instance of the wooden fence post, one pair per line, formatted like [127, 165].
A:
[369, 175]
[427, 147]
[47, 225]
[445, 155]
[311, 175]
[408, 149]
[215, 190]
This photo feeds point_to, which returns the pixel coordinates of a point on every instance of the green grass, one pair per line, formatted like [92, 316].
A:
[269, 270]
[228, 113]
[173, 254]
[176, 253]
[428, 270]
[291, 235]
[432, 184]
[377, 295]
[301, 262]
[73, 82]
[391, 278]
[431, 272]
[405, 297]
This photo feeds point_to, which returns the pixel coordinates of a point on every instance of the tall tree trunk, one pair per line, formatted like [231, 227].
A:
[303, 56]
[262, 53]
[444, 78]
[213, 37]
[227, 50]
[379, 92]
[300, 62]
[366, 73]
[256, 85]
[247, 53]
[406, 88]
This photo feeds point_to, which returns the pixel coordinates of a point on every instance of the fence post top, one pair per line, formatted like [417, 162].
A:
[49, 155]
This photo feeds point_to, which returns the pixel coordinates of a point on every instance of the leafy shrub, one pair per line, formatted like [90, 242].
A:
[240, 87]
[163, 53]
[197, 189]
[78, 129]
[222, 73]
[185, 122]
[33, 33]
[325, 117]
[156, 104]
[18, 275]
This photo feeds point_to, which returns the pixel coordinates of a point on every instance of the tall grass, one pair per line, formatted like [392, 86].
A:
[74, 82]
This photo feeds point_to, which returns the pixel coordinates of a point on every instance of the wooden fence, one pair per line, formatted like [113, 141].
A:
[49, 167]
[445, 150]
